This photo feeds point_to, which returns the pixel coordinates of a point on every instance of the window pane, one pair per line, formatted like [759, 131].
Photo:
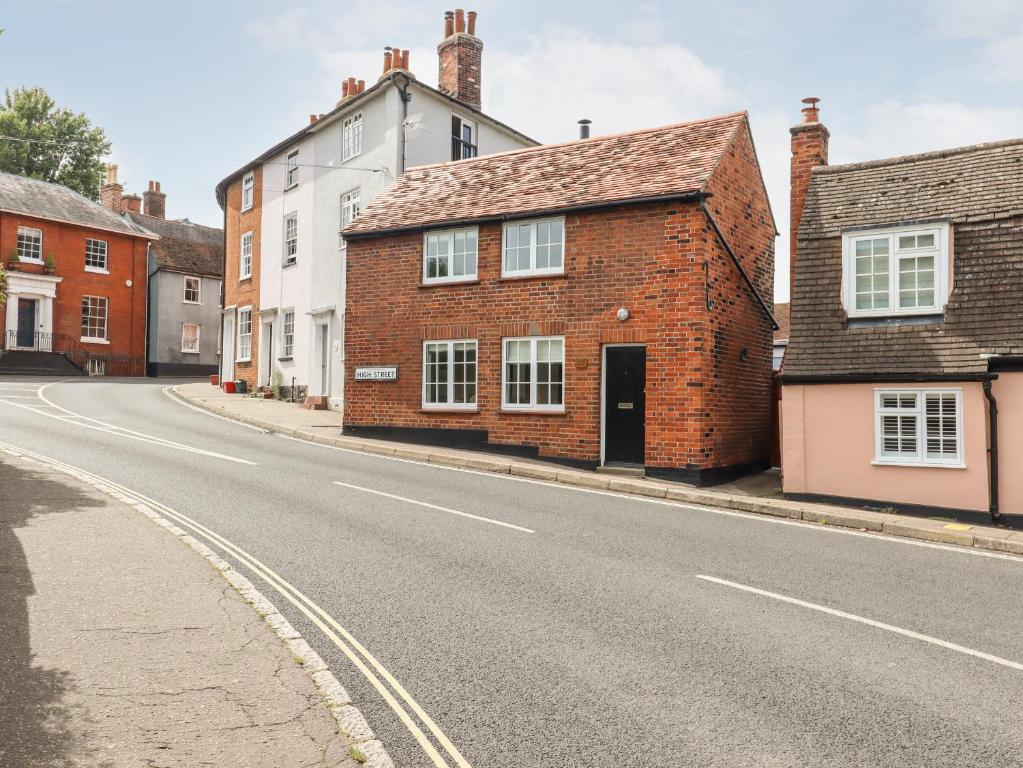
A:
[925, 241]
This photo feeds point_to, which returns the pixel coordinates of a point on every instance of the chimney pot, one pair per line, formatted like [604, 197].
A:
[344, 88]
[459, 20]
[112, 173]
[387, 60]
[362, 86]
[584, 128]
[312, 119]
[811, 114]
[404, 59]
[449, 24]
[472, 23]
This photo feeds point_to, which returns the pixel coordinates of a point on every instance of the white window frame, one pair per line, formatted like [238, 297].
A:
[287, 259]
[246, 312]
[351, 137]
[248, 190]
[287, 339]
[532, 269]
[532, 405]
[451, 405]
[106, 321]
[94, 253]
[198, 330]
[245, 259]
[37, 235]
[450, 235]
[920, 412]
[459, 137]
[941, 252]
[351, 206]
[198, 290]
[291, 170]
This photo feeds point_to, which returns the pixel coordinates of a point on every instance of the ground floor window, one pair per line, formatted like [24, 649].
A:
[919, 426]
[96, 367]
[245, 334]
[449, 374]
[94, 318]
[534, 373]
[190, 338]
[288, 335]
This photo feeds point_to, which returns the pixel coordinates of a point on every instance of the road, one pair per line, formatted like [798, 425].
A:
[542, 625]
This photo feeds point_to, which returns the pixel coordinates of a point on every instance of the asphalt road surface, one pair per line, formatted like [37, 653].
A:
[539, 625]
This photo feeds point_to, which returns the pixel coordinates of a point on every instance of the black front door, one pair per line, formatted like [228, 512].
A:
[624, 405]
[26, 322]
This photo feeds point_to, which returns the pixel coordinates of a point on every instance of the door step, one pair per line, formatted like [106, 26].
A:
[628, 470]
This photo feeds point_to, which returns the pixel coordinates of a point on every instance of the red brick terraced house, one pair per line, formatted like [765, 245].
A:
[604, 301]
[76, 283]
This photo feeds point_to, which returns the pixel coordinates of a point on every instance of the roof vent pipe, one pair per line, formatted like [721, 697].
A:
[584, 128]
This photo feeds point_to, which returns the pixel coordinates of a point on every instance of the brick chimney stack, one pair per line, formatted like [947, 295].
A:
[111, 192]
[155, 201]
[460, 54]
[809, 149]
[131, 204]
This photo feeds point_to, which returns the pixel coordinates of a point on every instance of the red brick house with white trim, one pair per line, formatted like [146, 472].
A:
[602, 301]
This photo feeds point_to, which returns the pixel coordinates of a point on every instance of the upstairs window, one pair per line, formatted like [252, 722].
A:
[291, 170]
[463, 139]
[248, 190]
[351, 137]
[918, 426]
[534, 248]
[350, 207]
[290, 239]
[450, 256]
[95, 255]
[901, 271]
[193, 286]
[245, 265]
[30, 244]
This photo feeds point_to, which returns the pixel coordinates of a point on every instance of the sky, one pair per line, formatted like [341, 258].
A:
[189, 91]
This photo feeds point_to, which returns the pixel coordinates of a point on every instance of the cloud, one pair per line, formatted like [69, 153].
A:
[996, 25]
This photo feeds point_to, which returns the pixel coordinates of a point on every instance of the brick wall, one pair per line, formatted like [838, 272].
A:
[809, 149]
[238, 292]
[706, 407]
[460, 59]
[126, 261]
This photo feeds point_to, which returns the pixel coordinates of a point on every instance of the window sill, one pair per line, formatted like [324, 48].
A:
[289, 264]
[195, 303]
[285, 359]
[245, 279]
[97, 271]
[246, 210]
[243, 360]
[535, 276]
[190, 351]
[449, 409]
[533, 411]
[442, 283]
[293, 186]
[87, 340]
[917, 464]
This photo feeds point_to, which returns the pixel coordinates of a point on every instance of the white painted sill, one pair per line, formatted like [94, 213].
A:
[918, 464]
[190, 352]
[87, 340]
[97, 271]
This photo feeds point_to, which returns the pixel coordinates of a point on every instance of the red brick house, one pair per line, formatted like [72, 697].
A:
[598, 302]
[77, 289]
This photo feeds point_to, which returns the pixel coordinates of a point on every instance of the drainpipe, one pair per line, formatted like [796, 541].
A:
[406, 97]
[996, 515]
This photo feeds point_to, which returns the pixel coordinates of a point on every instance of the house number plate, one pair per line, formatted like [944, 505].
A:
[377, 373]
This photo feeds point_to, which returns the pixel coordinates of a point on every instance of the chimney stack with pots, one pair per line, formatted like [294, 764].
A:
[461, 54]
[131, 204]
[111, 192]
[809, 149]
[155, 201]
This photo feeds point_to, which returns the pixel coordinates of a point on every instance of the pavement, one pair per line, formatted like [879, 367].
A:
[486, 619]
[758, 494]
[122, 647]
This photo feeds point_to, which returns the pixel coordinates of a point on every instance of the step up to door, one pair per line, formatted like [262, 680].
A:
[26, 362]
[628, 470]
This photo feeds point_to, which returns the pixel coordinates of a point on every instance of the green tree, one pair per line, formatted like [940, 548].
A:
[43, 141]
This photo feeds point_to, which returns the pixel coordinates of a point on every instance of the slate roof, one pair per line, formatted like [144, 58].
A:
[979, 190]
[672, 160]
[31, 197]
[184, 246]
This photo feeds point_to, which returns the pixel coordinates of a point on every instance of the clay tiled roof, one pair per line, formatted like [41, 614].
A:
[183, 246]
[31, 197]
[979, 190]
[658, 162]
[781, 316]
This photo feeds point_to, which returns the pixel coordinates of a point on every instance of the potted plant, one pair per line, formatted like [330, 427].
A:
[49, 265]
[14, 261]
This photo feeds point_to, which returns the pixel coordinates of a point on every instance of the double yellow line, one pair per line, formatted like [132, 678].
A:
[361, 658]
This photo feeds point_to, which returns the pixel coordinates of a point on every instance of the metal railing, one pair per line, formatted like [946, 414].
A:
[77, 353]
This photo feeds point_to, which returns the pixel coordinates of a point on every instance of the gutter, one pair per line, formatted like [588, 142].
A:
[738, 265]
[992, 466]
[686, 197]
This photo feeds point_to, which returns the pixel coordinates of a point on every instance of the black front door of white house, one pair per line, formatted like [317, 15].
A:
[26, 322]
[624, 405]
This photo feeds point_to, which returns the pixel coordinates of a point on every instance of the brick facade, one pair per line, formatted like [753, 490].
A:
[126, 304]
[243, 292]
[707, 401]
[809, 149]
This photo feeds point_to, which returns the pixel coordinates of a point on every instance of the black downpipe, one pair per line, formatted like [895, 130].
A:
[996, 515]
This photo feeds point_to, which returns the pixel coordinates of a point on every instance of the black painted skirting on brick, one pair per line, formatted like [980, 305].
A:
[194, 370]
[970, 516]
[710, 476]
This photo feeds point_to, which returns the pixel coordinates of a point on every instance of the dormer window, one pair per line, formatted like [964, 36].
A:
[896, 271]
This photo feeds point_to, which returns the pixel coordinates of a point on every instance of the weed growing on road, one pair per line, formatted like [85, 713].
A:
[357, 754]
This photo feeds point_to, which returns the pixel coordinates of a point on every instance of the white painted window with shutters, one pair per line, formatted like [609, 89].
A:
[919, 427]
[897, 271]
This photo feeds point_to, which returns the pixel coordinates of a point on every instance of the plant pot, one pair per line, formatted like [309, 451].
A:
[50, 270]
[214, 380]
[13, 266]
[229, 387]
